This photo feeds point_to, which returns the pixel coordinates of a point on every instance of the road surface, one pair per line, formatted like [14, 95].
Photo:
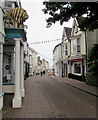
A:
[49, 98]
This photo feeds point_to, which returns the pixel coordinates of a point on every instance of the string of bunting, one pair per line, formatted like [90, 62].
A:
[70, 37]
[45, 41]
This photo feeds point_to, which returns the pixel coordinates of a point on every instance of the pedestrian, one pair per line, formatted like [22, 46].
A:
[41, 73]
[44, 72]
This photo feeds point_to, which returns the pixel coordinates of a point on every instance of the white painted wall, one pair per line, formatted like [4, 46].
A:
[32, 54]
[57, 60]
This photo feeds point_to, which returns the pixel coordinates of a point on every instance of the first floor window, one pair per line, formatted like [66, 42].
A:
[78, 45]
[66, 50]
[77, 68]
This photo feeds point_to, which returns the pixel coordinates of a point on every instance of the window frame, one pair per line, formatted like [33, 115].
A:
[65, 49]
[78, 46]
[80, 67]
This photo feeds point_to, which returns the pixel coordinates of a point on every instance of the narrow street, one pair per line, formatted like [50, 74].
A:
[48, 98]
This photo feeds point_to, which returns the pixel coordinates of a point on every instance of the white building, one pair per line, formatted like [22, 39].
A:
[42, 65]
[77, 58]
[76, 49]
[45, 65]
[39, 64]
[57, 57]
[65, 50]
[13, 76]
[26, 60]
[32, 61]
[2, 34]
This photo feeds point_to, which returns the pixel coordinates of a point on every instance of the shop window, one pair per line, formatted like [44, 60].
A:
[7, 78]
[77, 68]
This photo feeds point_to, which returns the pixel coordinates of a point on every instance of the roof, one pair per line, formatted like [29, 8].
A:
[79, 20]
[56, 46]
[32, 50]
[68, 31]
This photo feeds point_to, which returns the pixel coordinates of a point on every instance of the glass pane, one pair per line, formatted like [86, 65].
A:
[77, 68]
[78, 48]
[66, 52]
[78, 41]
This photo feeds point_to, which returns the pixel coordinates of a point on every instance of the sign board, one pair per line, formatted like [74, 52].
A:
[7, 67]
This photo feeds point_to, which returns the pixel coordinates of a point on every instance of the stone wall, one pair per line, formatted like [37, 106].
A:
[91, 79]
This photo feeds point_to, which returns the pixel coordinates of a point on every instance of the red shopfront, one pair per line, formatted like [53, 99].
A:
[76, 69]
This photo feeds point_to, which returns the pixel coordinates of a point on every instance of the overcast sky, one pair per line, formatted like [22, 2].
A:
[37, 30]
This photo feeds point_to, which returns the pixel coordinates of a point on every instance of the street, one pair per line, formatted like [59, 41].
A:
[48, 98]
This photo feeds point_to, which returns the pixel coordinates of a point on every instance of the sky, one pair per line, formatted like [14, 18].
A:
[38, 32]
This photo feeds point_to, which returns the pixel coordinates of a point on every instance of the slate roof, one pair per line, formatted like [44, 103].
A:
[68, 31]
[79, 20]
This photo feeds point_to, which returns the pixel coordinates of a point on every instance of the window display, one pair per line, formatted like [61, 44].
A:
[77, 68]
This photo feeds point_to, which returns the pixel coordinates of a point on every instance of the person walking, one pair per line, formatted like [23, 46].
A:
[41, 73]
[44, 72]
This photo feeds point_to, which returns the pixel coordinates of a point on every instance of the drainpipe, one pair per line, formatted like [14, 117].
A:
[70, 46]
[62, 57]
[69, 67]
[86, 52]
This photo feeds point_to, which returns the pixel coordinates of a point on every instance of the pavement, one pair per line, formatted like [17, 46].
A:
[78, 85]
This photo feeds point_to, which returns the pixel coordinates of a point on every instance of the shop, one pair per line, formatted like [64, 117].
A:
[76, 69]
[13, 66]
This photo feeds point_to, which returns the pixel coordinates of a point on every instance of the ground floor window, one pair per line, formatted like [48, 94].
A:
[77, 67]
[7, 68]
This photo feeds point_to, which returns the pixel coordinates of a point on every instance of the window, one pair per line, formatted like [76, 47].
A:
[66, 49]
[8, 5]
[74, 45]
[77, 68]
[78, 45]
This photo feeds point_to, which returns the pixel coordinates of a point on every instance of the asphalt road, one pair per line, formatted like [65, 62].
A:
[48, 98]
[66, 101]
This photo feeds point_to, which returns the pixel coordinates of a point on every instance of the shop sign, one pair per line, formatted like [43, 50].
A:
[7, 67]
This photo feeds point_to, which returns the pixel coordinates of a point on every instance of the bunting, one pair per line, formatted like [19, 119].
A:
[45, 41]
[70, 37]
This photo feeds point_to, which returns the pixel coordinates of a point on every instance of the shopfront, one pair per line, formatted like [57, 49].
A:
[77, 69]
